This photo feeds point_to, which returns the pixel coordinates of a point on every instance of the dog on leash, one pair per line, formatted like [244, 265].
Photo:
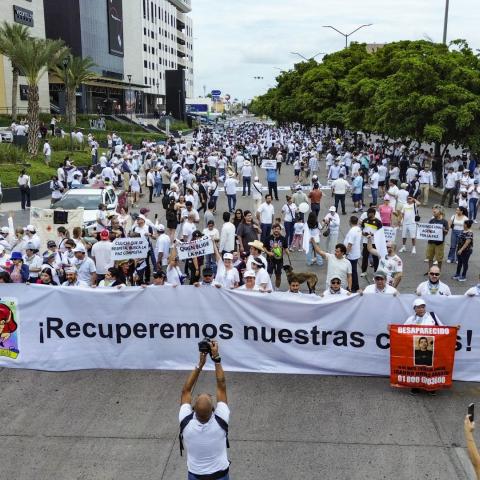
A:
[302, 277]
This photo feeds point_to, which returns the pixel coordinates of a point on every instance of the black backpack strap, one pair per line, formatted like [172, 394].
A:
[434, 318]
[224, 426]
[183, 424]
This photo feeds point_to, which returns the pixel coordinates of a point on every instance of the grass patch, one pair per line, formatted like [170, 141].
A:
[37, 170]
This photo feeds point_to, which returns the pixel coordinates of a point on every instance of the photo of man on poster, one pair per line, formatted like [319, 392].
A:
[423, 347]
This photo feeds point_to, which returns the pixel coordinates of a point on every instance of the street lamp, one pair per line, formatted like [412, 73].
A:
[129, 103]
[445, 22]
[258, 78]
[346, 35]
[67, 109]
[305, 58]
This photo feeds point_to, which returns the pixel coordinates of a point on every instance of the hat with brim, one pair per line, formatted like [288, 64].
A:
[227, 256]
[418, 302]
[16, 256]
[249, 274]
[257, 244]
[380, 274]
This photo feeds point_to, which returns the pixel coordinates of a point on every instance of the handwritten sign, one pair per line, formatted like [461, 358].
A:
[197, 248]
[430, 231]
[269, 164]
[126, 248]
[390, 234]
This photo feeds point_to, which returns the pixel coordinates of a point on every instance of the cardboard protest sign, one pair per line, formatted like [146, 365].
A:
[390, 234]
[429, 231]
[126, 248]
[197, 248]
[267, 164]
[422, 356]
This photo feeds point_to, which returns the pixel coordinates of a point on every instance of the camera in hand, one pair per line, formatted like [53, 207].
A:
[204, 345]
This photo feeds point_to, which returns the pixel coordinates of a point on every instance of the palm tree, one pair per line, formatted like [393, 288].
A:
[12, 35]
[34, 58]
[74, 71]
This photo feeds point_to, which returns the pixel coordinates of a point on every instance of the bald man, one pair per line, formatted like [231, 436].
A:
[204, 428]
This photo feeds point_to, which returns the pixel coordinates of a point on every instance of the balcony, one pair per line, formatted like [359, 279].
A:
[181, 21]
[182, 62]
[181, 50]
[181, 37]
[184, 6]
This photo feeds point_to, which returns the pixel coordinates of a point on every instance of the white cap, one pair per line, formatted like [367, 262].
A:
[160, 227]
[30, 228]
[141, 217]
[255, 179]
[418, 302]
[249, 273]
[79, 248]
[5, 230]
[332, 209]
[70, 270]
[227, 256]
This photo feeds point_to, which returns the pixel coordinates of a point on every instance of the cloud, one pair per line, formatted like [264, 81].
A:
[236, 40]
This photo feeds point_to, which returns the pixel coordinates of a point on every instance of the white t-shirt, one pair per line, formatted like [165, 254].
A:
[340, 186]
[427, 288]
[262, 277]
[226, 278]
[427, 319]
[187, 229]
[338, 268]
[408, 213]
[102, 251]
[266, 212]
[374, 178]
[391, 266]
[354, 236]
[289, 212]
[163, 246]
[85, 268]
[205, 443]
[387, 290]
[329, 293]
[231, 186]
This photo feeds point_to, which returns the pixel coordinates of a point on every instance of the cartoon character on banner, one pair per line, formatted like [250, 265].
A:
[8, 332]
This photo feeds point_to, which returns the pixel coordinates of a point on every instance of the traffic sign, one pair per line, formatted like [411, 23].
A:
[216, 93]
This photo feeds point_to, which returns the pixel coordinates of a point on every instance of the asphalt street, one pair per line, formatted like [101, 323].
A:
[116, 425]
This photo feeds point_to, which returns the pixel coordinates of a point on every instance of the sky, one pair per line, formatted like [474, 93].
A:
[237, 40]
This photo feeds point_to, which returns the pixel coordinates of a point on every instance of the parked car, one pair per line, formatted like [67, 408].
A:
[6, 135]
[88, 198]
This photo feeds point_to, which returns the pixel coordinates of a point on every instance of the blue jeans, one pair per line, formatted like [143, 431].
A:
[246, 183]
[472, 208]
[289, 229]
[232, 202]
[374, 195]
[266, 230]
[191, 476]
[452, 253]
[157, 189]
[310, 256]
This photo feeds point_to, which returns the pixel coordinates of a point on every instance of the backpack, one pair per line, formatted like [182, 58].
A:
[221, 422]
[171, 215]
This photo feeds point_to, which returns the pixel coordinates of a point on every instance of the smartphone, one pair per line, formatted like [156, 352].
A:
[156, 216]
[471, 412]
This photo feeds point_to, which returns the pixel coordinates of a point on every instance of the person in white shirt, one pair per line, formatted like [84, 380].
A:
[449, 187]
[473, 291]
[433, 286]
[227, 275]
[162, 246]
[257, 194]
[102, 254]
[230, 185]
[380, 285]
[335, 288]
[47, 152]
[246, 174]
[262, 278]
[426, 181]
[85, 266]
[332, 222]
[33, 261]
[204, 427]
[374, 179]
[422, 317]
[353, 242]
[339, 189]
[250, 283]
[265, 215]
[338, 265]
[408, 223]
[72, 280]
[391, 264]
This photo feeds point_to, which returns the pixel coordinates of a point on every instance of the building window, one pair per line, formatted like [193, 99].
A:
[144, 47]
[152, 34]
[145, 64]
[144, 30]
[144, 12]
[146, 80]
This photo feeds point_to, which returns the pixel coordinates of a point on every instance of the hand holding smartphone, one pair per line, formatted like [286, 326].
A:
[471, 412]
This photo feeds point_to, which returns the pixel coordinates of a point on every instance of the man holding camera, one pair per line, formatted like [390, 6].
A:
[204, 428]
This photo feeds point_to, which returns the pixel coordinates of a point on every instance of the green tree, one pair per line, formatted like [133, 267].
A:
[12, 35]
[34, 58]
[74, 71]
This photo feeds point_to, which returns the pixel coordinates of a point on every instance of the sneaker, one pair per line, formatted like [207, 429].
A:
[462, 279]
[475, 221]
[414, 251]
[449, 261]
[363, 274]
[403, 249]
[426, 260]
[455, 277]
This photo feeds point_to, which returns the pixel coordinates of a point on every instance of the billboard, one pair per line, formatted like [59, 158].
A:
[197, 108]
[115, 27]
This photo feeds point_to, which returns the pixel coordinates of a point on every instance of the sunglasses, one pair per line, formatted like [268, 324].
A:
[434, 274]
[335, 282]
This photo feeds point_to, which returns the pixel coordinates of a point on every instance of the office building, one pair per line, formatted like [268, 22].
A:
[27, 13]
[159, 38]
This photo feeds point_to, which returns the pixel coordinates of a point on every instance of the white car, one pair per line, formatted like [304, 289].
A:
[6, 135]
[88, 198]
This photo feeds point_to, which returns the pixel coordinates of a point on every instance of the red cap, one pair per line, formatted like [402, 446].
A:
[104, 234]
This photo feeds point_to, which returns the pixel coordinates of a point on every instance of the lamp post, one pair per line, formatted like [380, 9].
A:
[129, 103]
[305, 58]
[346, 35]
[445, 22]
[67, 107]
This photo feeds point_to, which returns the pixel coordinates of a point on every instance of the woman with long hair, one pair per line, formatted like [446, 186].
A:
[456, 224]
[464, 250]
[45, 278]
[312, 230]
[238, 217]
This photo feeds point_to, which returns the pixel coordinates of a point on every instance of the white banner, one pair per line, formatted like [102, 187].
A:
[429, 231]
[269, 164]
[69, 328]
[126, 248]
[197, 248]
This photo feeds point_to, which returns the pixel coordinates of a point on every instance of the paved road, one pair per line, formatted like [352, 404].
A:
[118, 425]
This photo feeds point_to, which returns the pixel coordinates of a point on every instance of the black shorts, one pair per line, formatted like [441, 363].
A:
[275, 266]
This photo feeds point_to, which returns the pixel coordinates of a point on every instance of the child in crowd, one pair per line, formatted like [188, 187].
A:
[297, 241]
